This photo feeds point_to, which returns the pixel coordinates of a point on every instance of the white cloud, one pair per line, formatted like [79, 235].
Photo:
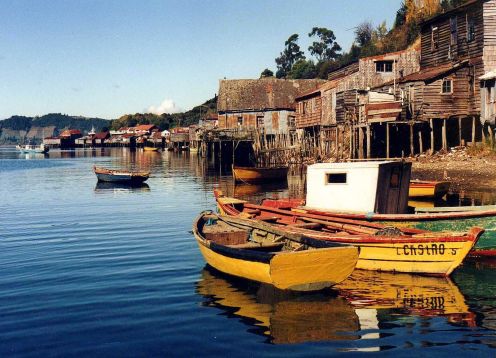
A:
[166, 106]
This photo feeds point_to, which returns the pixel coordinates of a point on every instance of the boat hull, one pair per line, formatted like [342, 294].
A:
[428, 189]
[298, 270]
[120, 176]
[113, 178]
[151, 149]
[258, 175]
[446, 221]
[433, 253]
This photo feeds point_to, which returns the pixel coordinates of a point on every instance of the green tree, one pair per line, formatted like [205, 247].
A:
[303, 69]
[326, 48]
[288, 56]
[266, 73]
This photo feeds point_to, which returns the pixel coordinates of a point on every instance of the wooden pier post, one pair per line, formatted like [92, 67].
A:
[473, 130]
[421, 142]
[411, 140]
[459, 130]
[431, 122]
[360, 143]
[387, 140]
[444, 140]
[368, 141]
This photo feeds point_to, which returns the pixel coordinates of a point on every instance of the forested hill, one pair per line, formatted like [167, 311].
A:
[20, 128]
[165, 120]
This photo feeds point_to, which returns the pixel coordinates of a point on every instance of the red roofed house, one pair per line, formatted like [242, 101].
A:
[68, 138]
[145, 129]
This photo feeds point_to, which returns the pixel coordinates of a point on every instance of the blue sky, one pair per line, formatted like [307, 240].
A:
[108, 58]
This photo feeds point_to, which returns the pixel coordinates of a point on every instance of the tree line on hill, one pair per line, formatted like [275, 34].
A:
[370, 40]
[84, 124]
[166, 120]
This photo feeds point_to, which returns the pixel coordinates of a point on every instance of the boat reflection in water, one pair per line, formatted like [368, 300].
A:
[360, 309]
[283, 316]
[103, 187]
[417, 295]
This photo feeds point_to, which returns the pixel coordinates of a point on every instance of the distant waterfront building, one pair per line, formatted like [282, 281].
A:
[267, 105]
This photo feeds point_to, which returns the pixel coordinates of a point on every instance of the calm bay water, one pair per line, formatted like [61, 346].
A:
[92, 270]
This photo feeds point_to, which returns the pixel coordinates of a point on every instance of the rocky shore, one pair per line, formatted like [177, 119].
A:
[466, 168]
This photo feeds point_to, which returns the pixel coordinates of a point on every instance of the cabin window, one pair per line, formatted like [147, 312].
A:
[470, 30]
[447, 86]
[454, 30]
[434, 38]
[291, 121]
[240, 121]
[336, 178]
[384, 66]
[260, 121]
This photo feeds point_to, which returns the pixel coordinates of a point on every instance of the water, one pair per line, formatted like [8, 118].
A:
[100, 270]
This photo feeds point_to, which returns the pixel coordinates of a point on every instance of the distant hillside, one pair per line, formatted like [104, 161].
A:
[165, 120]
[20, 128]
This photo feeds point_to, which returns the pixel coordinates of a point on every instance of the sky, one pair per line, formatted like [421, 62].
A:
[103, 58]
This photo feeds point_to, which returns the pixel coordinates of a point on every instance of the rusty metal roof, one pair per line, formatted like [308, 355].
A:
[428, 74]
[262, 94]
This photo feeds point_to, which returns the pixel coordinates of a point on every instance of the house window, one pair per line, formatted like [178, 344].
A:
[240, 121]
[260, 121]
[384, 66]
[336, 178]
[434, 38]
[291, 121]
[454, 30]
[447, 86]
[470, 30]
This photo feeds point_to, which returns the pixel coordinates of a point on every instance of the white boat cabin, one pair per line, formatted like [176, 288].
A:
[379, 187]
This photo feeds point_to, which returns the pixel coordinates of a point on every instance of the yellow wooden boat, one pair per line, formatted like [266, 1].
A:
[262, 253]
[428, 189]
[259, 174]
[151, 149]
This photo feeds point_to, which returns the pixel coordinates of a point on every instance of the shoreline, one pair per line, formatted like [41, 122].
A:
[463, 170]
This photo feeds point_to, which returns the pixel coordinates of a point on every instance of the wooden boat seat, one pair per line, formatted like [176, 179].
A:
[269, 219]
[312, 226]
[252, 211]
[262, 246]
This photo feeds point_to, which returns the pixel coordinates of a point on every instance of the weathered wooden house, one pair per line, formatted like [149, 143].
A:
[266, 104]
[341, 111]
[452, 90]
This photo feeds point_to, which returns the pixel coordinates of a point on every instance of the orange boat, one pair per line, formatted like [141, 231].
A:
[428, 189]
[259, 174]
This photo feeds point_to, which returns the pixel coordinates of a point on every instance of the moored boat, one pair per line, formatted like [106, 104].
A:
[120, 176]
[428, 189]
[150, 149]
[259, 174]
[382, 248]
[263, 253]
[377, 192]
[30, 148]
